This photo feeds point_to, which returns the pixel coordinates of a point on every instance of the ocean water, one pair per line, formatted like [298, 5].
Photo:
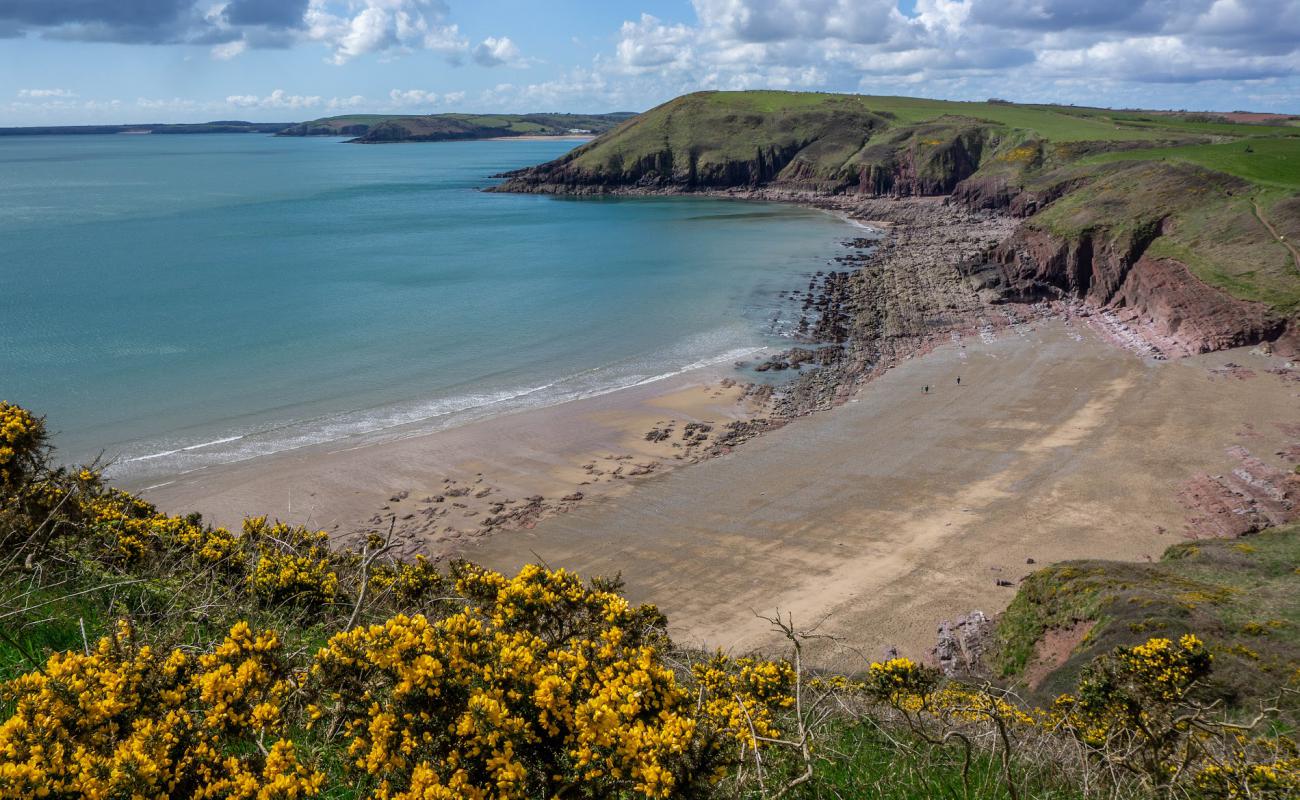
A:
[172, 302]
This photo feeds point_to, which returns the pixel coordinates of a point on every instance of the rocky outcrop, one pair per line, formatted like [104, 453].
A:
[1114, 273]
[1195, 317]
[932, 160]
[661, 170]
[960, 645]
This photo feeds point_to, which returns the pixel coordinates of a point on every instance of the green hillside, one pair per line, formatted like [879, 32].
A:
[1244, 595]
[375, 128]
[1201, 189]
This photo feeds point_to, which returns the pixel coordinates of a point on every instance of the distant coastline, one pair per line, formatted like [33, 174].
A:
[220, 126]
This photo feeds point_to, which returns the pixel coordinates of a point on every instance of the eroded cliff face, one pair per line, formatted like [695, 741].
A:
[1181, 314]
[921, 167]
[858, 158]
[663, 170]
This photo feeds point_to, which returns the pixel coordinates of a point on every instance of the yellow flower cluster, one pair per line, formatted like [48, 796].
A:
[1276, 778]
[294, 565]
[742, 696]
[411, 582]
[1121, 687]
[134, 528]
[21, 437]
[126, 721]
[537, 684]
[900, 680]
[1025, 153]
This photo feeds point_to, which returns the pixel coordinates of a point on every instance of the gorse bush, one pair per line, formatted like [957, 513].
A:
[22, 437]
[124, 720]
[540, 686]
[271, 664]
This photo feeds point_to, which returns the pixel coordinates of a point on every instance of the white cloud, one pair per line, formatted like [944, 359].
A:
[412, 97]
[860, 21]
[279, 99]
[494, 52]
[36, 94]
[384, 27]
[1034, 49]
[650, 44]
[229, 50]
[346, 103]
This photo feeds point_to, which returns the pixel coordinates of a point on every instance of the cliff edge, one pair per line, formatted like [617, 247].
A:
[1162, 220]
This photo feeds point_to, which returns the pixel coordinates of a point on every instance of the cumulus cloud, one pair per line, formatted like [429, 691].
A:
[963, 47]
[388, 27]
[278, 99]
[649, 43]
[412, 97]
[346, 103]
[860, 21]
[494, 52]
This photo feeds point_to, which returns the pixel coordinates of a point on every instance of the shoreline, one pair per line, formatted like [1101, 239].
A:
[222, 492]
[505, 472]
[534, 137]
[556, 483]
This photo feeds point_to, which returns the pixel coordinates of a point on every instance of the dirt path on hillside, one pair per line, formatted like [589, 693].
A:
[1295, 253]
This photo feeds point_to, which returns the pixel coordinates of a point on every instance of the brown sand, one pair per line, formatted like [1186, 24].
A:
[881, 517]
[900, 509]
[440, 488]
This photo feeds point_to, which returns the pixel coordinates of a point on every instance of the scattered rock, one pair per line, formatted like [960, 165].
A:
[961, 644]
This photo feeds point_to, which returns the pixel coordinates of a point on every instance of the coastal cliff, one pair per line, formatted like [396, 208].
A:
[1149, 219]
[383, 129]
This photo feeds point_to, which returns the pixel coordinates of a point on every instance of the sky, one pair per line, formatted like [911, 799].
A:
[127, 61]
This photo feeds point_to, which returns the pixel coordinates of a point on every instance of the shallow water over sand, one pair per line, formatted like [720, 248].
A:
[180, 301]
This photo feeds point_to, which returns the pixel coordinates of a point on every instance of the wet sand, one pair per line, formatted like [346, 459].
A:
[899, 509]
[439, 488]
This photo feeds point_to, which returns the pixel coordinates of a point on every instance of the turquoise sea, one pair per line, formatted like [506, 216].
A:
[178, 301]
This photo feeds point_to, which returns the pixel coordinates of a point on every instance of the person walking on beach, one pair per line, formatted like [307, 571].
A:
[926, 388]
[959, 380]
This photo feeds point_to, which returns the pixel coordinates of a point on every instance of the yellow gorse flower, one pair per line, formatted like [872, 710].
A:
[538, 682]
[127, 721]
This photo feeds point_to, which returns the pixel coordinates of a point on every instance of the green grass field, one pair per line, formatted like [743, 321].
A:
[1057, 123]
[1271, 162]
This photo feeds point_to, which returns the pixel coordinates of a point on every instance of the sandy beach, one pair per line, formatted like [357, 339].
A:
[880, 518]
[876, 519]
[887, 497]
[573, 137]
[439, 489]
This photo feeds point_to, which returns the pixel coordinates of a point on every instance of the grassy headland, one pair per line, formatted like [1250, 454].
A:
[1190, 188]
[376, 128]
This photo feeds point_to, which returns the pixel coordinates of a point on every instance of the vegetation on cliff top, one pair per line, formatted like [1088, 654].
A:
[376, 128]
[1243, 595]
[151, 656]
[1197, 188]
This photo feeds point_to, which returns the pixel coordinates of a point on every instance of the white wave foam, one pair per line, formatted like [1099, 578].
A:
[389, 423]
[200, 446]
